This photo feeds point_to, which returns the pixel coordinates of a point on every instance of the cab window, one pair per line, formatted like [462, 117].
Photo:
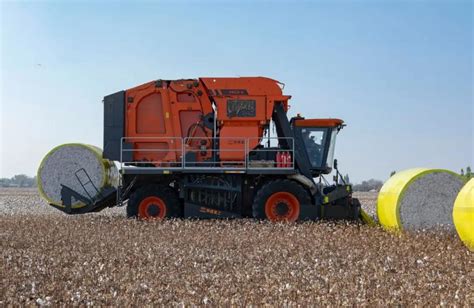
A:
[314, 140]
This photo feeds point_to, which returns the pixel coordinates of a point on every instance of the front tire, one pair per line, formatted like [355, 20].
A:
[280, 200]
[153, 202]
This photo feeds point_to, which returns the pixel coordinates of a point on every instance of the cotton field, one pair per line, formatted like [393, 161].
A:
[49, 258]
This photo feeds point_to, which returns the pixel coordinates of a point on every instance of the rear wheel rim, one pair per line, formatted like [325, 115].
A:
[282, 206]
[152, 208]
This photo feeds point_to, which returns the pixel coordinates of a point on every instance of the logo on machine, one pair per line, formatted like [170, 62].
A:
[209, 211]
[241, 108]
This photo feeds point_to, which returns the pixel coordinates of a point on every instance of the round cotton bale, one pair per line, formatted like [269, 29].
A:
[70, 165]
[419, 198]
[463, 214]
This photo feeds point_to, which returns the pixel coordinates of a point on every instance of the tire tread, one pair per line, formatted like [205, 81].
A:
[166, 193]
[258, 206]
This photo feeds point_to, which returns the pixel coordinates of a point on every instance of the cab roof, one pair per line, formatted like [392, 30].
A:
[318, 122]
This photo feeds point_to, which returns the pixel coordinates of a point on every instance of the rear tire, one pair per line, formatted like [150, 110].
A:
[280, 200]
[154, 202]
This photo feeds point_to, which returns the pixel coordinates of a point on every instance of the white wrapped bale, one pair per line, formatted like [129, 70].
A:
[69, 165]
[419, 198]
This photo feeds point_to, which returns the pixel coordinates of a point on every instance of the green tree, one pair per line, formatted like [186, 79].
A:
[4, 182]
[469, 173]
[21, 180]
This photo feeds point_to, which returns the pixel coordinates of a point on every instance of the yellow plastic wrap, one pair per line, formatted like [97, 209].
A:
[367, 219]
[392, 192]
[463, 214]
[108, 169]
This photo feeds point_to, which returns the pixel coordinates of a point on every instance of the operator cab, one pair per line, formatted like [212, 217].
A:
[318, 136]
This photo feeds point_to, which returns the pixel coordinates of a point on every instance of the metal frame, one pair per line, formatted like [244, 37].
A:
[284, 128]
[289, 140]
[104, 198]
[242, 163]
[182, 165]
[168, 140]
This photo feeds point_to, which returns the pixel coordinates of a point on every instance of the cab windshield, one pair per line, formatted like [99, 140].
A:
[319, 144]
[314, 141]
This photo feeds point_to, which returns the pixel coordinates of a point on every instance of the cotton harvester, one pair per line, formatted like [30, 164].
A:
[203, 148]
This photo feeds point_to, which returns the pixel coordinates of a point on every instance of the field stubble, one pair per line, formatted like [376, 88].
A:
[103, 258]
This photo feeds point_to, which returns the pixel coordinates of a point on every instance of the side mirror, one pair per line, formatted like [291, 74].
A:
[335, 164]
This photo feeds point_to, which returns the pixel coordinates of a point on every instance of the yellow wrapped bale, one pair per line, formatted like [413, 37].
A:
[419, 198]
[72, 164]
[463, 214]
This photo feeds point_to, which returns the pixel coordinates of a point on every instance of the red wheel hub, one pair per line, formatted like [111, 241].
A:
[152, 208]
[282, 206]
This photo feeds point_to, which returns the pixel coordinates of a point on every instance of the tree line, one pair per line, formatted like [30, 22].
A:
[19, 180]
[376, 185]
[468, 174]
[368, 185]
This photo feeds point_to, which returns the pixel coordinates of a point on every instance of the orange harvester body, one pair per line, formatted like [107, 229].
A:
[158, 111]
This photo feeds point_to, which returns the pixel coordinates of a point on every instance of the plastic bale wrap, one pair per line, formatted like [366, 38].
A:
[419, 198]
[70, 165]
[463, 214]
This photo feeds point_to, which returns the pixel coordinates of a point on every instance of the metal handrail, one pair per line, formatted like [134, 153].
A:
[268, 149]
[216, 164]
[181, 163]
[156, 139]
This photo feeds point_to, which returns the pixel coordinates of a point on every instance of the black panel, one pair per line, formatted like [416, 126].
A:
[339, 204]
[340, 211]
[219, 192]
[284, 129]
[266, 154]
[114, 124]
[309, 212]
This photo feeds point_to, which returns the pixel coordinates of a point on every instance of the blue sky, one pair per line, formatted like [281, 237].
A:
[400, 73]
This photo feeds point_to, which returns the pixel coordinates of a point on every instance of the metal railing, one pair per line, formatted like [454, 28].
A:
[289, 162]
[169, 159]
[240, 148]
[177, 153]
